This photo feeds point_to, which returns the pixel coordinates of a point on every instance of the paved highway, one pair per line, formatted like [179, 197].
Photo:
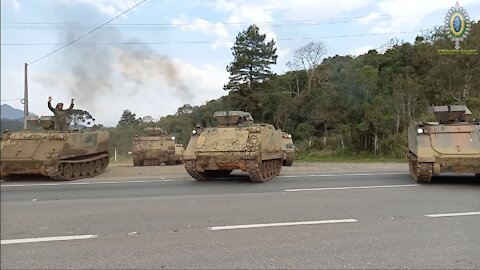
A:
[340, 220]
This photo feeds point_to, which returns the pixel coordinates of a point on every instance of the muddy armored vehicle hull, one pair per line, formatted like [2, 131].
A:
[451, 145]
[59, 155]
[288, 149]
[236, 144]
[156, 148]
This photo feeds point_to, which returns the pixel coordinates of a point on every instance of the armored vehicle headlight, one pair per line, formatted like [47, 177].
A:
[420, 130]
[173, 138]
[194, 131]
[289, 136]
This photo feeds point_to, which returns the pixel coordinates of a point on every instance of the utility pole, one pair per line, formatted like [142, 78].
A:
[25, 99]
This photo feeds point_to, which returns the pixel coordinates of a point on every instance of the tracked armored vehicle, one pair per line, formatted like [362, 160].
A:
[235, 144]
[155, 148]
[452, 144]
[288, 149]
[61, 155]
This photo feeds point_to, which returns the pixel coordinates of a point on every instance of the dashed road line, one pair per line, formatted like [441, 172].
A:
[343, 188]
[249, 226]
[346, 174]
[454, 214]
[48, 239]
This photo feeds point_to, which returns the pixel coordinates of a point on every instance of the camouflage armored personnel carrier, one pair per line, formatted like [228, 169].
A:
[235, 144]
[288, 149]
[155, 148]
[452, 144]
[61, 155]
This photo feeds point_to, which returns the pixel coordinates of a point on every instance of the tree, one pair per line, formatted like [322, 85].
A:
[185, 109]
[127, 119]
[252, 59]
[309, 58]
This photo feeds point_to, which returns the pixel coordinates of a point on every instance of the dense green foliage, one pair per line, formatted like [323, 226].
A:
[347, 106]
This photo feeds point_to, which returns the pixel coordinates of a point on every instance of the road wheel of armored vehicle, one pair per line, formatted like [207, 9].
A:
[67, 171]
[76, 170]
[190, 168]
[91, 168]
[137, 163]
[98, 166]
[84, 169]
[105, 162]
[288, 162]
[420, 171]
[264, 170]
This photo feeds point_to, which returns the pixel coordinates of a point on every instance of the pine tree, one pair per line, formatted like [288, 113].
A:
[253, 57]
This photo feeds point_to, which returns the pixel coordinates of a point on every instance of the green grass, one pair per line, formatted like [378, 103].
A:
[313, 157]
[343, 158]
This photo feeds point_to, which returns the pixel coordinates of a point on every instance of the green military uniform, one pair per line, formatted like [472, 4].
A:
[60, 116]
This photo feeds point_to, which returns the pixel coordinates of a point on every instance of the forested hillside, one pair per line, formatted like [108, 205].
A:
[341, 105]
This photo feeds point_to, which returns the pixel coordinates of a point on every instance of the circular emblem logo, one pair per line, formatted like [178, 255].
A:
[457, 24]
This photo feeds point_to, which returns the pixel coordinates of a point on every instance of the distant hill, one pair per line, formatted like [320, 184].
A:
[8, 112]
[12, 125]
[11, 118]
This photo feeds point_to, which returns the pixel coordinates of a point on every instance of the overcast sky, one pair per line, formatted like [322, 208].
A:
[166, 53]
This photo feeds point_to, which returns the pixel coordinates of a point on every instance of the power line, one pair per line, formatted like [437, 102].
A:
[14, 99]
[394, 15]
[204, 42]
[93, 30]
[222, 25]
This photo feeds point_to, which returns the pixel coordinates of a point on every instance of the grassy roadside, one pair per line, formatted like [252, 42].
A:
[307, 157]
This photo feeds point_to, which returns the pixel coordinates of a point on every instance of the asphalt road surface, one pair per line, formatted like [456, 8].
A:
[305, 218]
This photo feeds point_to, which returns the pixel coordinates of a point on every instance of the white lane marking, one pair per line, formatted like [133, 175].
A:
[47, 239]
[314, 222]
[346, 174]
[94, 183]
[342, 188]
[454, 214]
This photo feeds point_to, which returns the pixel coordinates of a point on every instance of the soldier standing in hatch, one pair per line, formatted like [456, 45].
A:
[60, 114]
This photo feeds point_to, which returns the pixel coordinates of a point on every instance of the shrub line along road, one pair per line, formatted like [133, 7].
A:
[312, 216]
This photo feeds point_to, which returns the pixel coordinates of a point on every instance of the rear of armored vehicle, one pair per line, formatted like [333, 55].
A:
[179, 152]
[153, 150]
[233, 145]
[288, 149]
[451, 145]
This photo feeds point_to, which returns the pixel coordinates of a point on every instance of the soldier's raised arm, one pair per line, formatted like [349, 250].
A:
[71, 105]
[50, 105]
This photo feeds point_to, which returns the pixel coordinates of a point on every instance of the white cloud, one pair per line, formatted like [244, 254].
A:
[360, 50]
[263, 10]
[111, 7]
[369, 18]
[13, 4]
[407, 15]
[204, 26]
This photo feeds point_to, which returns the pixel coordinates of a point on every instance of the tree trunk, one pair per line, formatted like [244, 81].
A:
[398, 122]
[298, 85]
[342, 143]
[325, 135]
